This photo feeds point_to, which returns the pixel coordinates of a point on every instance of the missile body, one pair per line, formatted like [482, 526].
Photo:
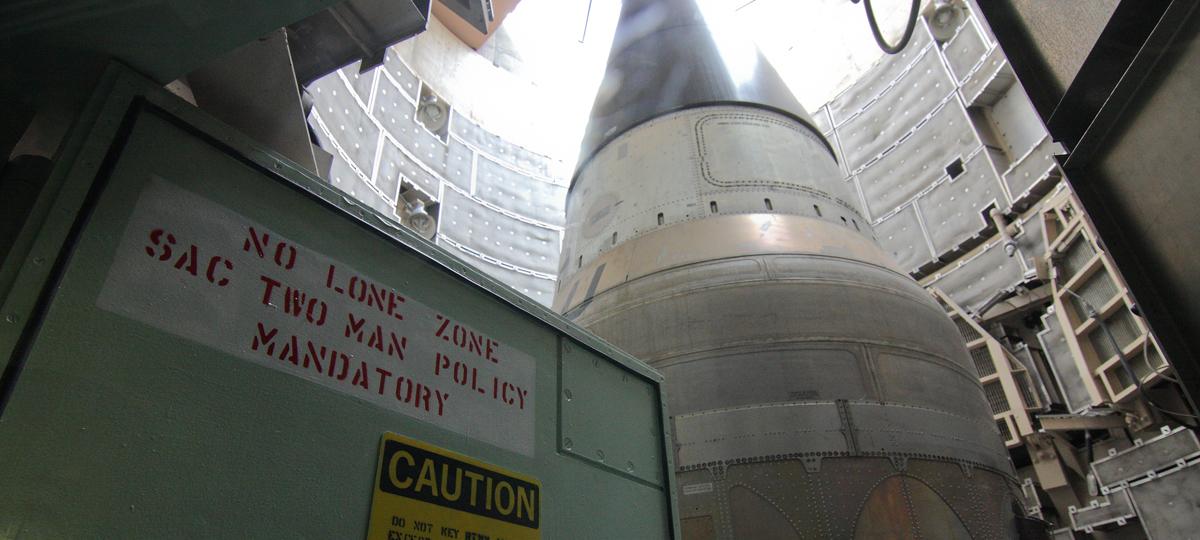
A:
[815, 391]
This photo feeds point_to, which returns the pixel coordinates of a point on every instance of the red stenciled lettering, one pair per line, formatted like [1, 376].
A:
[187, 258]
[264, 339]
[361, 295]
[333, 359]
[296, 302]
[212, 271]
[261, 242]
[360, 376]
[284, 254]
[421, 396]
[363, 291]
[466, 339]
[157, 238]
[268, 289]
[291, 351]
[313, 356]
[383, 376]
[396, 345]
[375, 337]
[354, 327]
[441, 330]
[316, 311]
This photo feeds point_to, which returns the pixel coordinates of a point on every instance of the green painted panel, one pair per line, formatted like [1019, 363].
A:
[154, 394]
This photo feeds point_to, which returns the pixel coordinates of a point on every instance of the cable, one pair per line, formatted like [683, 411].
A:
[908, 30]
[1092, 313]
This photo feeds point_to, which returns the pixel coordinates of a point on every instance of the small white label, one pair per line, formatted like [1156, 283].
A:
[696, 489]
[195, 269]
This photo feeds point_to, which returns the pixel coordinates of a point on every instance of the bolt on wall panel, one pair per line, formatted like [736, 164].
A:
[953, 209]
[988, 80]
[965, 50]
[395, 163]
[498, 236]
[399, 76]
[900, 234]
[822, 121]
[1033, 168]
[881, 126]
[971, 282]
[511, 190]
[350, 129]
[498, 148]
[460, 163]
[344, 178]
[397, 116]
[919, 160]
[1015, 122]
[539, 288]
[881, 77]
[362, 84]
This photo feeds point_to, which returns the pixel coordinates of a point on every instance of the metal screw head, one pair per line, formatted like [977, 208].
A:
[567, 394]
[600, 455]
[567, 443]
[10, 318]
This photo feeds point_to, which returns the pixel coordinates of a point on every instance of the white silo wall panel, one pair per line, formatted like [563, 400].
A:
[879, 78]
[344, 178]
[498, 148]
[493, 234]
[880, 126]
[394, 163]
[916, 163]
[530, 197]
[971, 282]
[538, 288]
[399, 76]
[1034, 169]
[460, 163]
[953, 209]
[965, 50]
[900, 234]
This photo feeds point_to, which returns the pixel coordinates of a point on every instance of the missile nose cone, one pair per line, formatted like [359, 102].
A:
[815, 391]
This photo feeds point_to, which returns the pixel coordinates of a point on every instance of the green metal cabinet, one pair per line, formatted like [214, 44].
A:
[199, 339]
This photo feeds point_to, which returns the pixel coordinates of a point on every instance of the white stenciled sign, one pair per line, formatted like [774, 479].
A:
[196, 269]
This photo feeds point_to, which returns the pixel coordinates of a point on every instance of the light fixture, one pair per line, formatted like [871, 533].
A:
[945, 17]
[419, 220]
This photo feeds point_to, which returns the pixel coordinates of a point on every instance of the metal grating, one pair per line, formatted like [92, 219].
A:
[983, 361]
[1062, 363]
[996, 398]
[1123, 329]
[966, 329]
[1025, 387]
[1097, 290]
[1074, 258]
[1005, 432]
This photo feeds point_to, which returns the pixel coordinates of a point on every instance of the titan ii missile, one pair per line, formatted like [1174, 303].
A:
[815, 391]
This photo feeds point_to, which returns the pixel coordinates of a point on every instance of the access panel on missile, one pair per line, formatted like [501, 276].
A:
[815, 391]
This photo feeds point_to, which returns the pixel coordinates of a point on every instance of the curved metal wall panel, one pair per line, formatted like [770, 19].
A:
[933, 136]
[368, 122]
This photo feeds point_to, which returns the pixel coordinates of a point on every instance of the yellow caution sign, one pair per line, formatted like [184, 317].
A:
[423, 492]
